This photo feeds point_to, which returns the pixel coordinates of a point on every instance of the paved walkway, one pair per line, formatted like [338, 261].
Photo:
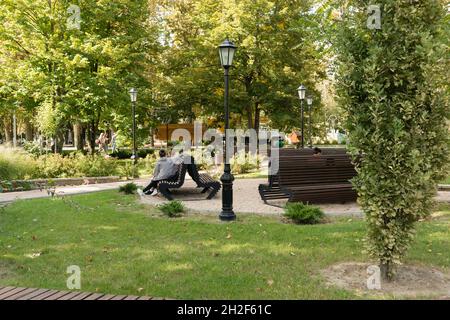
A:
[246, 198]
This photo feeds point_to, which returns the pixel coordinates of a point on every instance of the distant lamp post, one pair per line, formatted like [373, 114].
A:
[226, 51]
[133, 97]
[309, 101]
[301, 94]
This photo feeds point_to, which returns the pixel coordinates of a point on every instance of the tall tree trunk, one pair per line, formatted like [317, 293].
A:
[257, 116]
[78, 140]
[249, 117]
[91, 135]
[29, 129]
[152, 138]
[8, 129]
[59, 143]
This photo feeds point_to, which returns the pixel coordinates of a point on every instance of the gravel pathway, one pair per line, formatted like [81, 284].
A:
[246, 199]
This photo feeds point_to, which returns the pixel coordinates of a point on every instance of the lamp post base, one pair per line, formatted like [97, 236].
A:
[227, 213]
[227, 216]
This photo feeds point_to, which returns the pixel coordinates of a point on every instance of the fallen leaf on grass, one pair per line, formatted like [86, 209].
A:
[229, 236]
[270, 282]
[33, 255]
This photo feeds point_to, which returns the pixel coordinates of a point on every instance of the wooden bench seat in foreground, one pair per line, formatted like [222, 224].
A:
[20, 293]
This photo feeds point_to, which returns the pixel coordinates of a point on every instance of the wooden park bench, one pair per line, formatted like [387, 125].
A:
[314, 179]
[202, 180]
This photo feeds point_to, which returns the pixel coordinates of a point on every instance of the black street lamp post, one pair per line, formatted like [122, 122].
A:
[301, 95]
[133, 96]
[309, 102]
[226, 51]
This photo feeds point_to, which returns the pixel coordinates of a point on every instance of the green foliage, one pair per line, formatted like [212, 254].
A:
[172, 209]
[129, 188]
[59, 75]
[393, 84]
[16, 165]
[277, 50]
[243, 162]
[127, 153]
[303, 214]
[128, 170]
[33, 148]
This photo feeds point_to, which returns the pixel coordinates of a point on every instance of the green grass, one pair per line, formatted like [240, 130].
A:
[125, 248]
[446, 181]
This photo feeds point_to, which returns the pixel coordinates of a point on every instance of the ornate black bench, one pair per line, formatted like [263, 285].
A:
[164, 186]
[202, 180]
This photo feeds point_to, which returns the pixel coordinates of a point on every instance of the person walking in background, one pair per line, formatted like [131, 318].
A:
[102, 143]
[113, 142]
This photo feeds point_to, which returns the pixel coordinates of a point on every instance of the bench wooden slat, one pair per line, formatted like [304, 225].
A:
[94, 296]
[57, 295]
[11, 292]
[21, 294]
[44, 295]
[33, 294]
[5, 289]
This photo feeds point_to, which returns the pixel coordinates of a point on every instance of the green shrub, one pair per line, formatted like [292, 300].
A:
[94, 166]
[173, 209]
[33, 148]
[393, 86]
[127, 169]
[203, 161]
[15, 165]
[129, 188]
[243, 162]
[127, 153]
[303, 214]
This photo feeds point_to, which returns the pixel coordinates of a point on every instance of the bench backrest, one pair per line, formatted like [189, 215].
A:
[309, 151]
[310, 170]
[178, 180]
[192, 170]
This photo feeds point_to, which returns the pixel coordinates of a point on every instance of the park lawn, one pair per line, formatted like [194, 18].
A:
[123, 247]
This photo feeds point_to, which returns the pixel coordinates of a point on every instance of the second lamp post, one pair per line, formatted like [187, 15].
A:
[301, 95]
[309, 102]
[226, 52]
[133, 96]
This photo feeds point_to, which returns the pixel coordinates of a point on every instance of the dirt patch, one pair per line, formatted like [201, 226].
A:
[410, 281]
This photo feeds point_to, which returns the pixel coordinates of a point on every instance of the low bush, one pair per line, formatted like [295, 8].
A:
[127, 153]
[173, 209]
[129, 188]
[243, 162]
[127, 169]
[303, 214]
